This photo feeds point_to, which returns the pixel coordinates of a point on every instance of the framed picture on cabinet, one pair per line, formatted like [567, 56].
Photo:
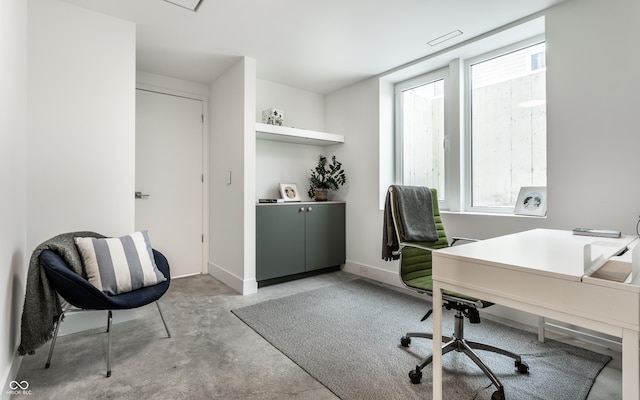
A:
[289, 192]
[532, 200]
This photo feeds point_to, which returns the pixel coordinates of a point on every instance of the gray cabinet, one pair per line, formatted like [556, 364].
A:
[298, 238]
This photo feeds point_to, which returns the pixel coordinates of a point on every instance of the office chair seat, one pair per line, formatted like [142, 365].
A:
[80, 293]
[415, 273]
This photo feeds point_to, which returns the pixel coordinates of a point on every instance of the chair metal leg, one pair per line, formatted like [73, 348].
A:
[109, 318]
[425, 335]
[109, 326]
[166, 327]
[487, 371]
[458, 343]
[493, 349]
[53, 341]
[446, 347]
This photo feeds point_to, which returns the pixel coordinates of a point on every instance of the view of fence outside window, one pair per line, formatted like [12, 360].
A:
[508, 126]
[423, 136]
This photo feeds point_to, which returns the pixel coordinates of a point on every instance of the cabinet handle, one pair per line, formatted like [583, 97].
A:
[310, 209]
[301, 209]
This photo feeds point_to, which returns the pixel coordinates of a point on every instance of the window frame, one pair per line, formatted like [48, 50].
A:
[457, 140]
[408, 84]
[466, 178]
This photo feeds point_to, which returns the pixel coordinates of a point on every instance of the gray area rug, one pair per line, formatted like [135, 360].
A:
[347, 337]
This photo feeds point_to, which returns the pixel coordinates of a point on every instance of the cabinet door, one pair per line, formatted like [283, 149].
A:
[325, 235]
[279, 241]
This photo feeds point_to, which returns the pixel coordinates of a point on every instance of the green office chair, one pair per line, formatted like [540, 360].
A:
[415, 273]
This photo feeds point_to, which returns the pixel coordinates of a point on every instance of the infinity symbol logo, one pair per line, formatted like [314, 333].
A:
[14, 385]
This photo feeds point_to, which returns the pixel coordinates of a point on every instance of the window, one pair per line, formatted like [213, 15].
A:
[538, 61]
[421, 117]
[475, 131]
[507, 125]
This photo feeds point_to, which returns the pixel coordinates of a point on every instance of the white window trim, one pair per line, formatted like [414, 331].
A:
[466, 179]
[440, 74]
[453, 57]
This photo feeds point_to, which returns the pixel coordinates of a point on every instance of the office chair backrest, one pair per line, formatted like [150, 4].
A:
[415, 264]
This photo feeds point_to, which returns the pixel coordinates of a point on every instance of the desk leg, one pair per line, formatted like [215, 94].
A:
[437, 341]
[541, 325]
[630, 364]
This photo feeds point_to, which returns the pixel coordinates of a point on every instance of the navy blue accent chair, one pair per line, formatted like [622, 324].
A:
[80, 293]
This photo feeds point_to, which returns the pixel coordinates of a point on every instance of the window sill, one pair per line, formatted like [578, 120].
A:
[490, 214]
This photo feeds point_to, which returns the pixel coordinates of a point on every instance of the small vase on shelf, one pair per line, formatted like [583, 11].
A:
[326, 176]
[321, 194]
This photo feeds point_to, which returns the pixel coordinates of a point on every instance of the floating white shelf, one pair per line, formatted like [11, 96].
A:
[296, 135]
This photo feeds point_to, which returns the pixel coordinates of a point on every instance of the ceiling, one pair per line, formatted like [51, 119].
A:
[315, 45]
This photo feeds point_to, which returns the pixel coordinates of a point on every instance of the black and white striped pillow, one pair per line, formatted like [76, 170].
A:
[119, 265]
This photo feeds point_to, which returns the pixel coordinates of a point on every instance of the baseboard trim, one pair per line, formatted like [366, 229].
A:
[186, 275]
[242, 286]
[13, 373]
[371, 272]
[302, 275]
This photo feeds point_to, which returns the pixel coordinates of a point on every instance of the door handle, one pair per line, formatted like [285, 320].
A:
[139, 195]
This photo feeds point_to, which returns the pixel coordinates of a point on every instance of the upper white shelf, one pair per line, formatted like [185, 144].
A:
[296, 135]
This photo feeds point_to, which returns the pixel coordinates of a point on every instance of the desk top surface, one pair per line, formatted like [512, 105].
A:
[541, 251]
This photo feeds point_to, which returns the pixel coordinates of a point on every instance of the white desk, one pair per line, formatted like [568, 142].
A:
[540, 272]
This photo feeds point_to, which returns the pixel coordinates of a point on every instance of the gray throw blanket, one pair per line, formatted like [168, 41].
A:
[415, 218]
[41, 304]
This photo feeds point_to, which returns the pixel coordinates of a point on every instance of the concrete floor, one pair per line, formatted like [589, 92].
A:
[211, 355]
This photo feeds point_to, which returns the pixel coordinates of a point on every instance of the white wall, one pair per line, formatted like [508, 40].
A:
[173, 85]
[593, 138]
[232, 151]
[592, 143]
[81, 129]
[13, 179]
[81, 141]
[354, 111]
[278, 162]
[301, 108]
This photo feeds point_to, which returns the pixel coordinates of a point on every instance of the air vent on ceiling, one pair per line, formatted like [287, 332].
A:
[444, 38]
[188, 4]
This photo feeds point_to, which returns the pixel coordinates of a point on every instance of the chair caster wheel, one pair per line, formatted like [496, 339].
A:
[415, 375]
[497, 395]
[522, 367]
[405, 341]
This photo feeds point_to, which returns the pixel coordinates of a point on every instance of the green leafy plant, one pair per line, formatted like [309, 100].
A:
[326, 176]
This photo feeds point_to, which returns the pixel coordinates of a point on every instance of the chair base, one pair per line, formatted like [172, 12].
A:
[458, 343]
[109, 323]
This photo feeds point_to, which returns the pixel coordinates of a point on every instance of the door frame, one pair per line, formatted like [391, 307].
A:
[205, 161]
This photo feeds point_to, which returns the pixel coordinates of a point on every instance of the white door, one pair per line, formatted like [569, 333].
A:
[169, 133]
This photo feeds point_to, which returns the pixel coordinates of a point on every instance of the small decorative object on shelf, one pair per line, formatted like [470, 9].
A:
[326, 177]
[289, 192]
[273, 116]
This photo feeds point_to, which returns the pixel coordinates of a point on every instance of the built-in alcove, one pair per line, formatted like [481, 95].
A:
[286, 154]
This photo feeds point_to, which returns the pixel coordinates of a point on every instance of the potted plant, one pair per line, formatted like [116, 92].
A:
[325, 177]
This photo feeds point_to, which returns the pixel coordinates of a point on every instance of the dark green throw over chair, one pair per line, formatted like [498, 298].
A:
[415, 273]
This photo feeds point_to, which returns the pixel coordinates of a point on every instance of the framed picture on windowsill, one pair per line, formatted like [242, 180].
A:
[532, 200]
[289, 192]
